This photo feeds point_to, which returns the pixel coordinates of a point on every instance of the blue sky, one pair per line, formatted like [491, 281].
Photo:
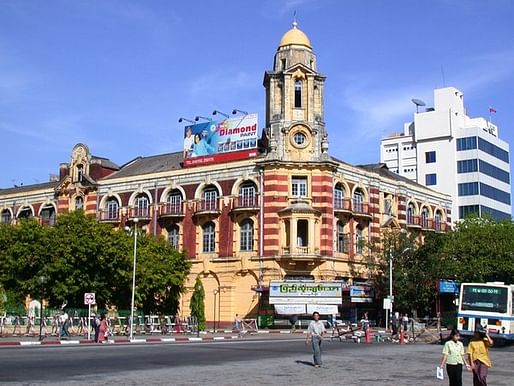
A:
[117, 74]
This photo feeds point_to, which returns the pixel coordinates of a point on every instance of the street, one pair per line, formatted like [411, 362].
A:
[256, 361]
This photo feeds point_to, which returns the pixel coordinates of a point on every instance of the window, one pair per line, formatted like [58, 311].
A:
[466, 143]
[338, 196]
[495, 194]
[299, 138]
[247, 197]
[26, 212]
[496, 215]
[358, 199]
[359, 240]
[467, 210]
[430, 179]
[173, 235]
[246, 229]
[468, 189]
[6, 216]
[299, 187]
[493, 150]
[79, 203]
[174, 202]
[411, 210]
[430, 157]
[495, 172]
[424, 217]
[298, 93]
[467, 166]
[342, 238]
[80, 172]
[112, 207]
[210, 199]
[437, 220]
[208, 237]
[141, 206]
[388, 206]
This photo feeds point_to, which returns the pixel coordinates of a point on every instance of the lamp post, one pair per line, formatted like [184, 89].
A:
[42, 280]
[136, 220]
[391, 282]
[214, 292]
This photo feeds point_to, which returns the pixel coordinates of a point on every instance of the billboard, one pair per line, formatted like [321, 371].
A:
[297, 292]
[221, 141]
[362, 293]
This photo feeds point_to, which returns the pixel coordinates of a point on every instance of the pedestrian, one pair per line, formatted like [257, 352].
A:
[63, 322]
[96, 326]
[405, 322]
[365, 322]
[454, 357]
[315, 333]
[237, 323]
[394, 325]
[103, 329]
[292, 320]
[478, 352]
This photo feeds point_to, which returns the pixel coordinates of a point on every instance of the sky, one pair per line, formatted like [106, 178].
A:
[117, 74]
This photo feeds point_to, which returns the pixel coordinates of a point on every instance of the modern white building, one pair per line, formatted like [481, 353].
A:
[445, 149]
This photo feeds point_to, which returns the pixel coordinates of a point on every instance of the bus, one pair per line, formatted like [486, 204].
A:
[489, 305]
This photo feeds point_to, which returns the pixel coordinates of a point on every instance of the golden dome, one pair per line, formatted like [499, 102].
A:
[295, 37]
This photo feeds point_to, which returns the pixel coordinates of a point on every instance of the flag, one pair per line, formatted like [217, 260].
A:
[492, 109]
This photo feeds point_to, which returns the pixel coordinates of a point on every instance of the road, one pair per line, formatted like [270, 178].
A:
[268, 361]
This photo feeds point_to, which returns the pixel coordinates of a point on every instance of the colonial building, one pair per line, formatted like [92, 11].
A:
[291, 211]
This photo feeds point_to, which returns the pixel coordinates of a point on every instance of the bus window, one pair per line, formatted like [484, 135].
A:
[484, 298]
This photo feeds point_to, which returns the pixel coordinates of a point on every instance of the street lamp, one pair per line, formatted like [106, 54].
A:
[214, 292]
[136, 220]
[42, 280]
[391, 282]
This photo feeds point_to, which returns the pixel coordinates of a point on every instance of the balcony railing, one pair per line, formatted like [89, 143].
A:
[140, 213]
[440, 226]
[413, 221]
[343, 204]
[169, 209]
[353, 206]
[359, 207]
[207, 206]
[110, 215]
[246, 202]
[426, 223]
[47, 221]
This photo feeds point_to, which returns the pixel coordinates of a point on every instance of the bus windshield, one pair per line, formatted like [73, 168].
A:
[484, 298]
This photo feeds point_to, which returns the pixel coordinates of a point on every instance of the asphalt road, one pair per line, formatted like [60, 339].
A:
[270, 361]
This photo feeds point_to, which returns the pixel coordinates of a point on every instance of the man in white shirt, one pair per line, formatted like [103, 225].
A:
[315, 333]
[188, 143]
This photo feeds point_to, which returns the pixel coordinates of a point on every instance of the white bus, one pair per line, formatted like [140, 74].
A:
[489, 305]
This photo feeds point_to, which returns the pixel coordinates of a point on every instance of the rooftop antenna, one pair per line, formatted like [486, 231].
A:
[418, 102]
[295, 23]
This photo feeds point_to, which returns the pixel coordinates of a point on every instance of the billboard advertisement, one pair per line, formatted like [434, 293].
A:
[297, 292]
[221, 141]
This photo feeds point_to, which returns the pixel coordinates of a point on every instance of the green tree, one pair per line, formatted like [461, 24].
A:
[197, 304]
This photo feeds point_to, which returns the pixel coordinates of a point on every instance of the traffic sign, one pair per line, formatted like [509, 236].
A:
[89, 298]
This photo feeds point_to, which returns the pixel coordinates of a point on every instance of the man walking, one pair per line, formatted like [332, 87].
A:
[315, 333]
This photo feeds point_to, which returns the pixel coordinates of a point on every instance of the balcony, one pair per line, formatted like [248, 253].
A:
[426, 224]
[246, 203]
[207, 207]
[171, 210]
[343, 205]
[361, 209]
[110, 216]
[413, 221]
[348, 206]
[50, 221]
[143, 214]
[297, 253]
[440, 226]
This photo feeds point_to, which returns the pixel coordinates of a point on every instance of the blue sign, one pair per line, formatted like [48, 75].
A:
[448, 286]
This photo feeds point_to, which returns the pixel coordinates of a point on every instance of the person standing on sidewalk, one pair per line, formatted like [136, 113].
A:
[315, 333]
[478, 352]
[454, 357]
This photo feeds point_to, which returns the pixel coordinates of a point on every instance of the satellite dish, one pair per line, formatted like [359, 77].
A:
[418, 102]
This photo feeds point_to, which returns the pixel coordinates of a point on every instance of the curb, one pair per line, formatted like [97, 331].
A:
[117, 341]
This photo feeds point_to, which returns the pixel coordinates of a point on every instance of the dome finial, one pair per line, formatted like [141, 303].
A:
[295, 23]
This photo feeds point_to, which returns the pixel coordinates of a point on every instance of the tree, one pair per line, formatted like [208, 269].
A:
[197, 304]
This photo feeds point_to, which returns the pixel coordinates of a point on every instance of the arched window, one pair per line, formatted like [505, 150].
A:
[411, 210]
[112, 209]
[388, 206]
[246, 230]
[210, 198]
[6, 216]
[424, 217]
[48, 215]
[208, 237]
[26, 212]
[141, 205]
[338, 196]
[174, 202]
[437, 220]
[359, 240]
[358, 200]
[80, 172]
[247, 196]
[173, 235]
[342, 238]
[298, 93]
[79, 203]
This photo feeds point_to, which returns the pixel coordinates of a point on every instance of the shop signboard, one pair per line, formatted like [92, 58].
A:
[448, 286]
[221, 141]
[362, 293]
[298, 292]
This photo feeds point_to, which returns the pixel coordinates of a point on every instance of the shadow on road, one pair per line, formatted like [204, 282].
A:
[305, 363]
